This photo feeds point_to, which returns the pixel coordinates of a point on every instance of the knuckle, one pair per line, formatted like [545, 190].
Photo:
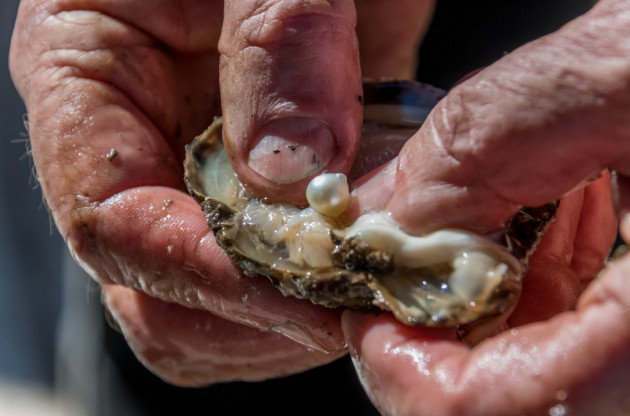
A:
[272, 21]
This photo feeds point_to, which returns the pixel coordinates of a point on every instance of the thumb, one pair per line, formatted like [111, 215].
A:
[291, 92]
[528, 129]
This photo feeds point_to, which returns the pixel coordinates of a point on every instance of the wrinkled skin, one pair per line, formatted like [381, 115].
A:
[540, 124]
[142, 78]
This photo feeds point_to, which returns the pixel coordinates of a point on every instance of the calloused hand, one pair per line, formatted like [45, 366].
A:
[114, 91]
[544, 122]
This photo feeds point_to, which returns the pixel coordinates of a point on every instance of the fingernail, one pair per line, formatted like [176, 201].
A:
[293, 148]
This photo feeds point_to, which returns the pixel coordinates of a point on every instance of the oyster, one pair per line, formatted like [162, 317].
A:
[446, 278]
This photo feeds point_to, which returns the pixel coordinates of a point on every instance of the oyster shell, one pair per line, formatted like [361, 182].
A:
[446, 278]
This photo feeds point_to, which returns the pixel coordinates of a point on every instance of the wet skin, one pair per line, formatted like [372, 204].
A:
[115, 90]
[540, 124]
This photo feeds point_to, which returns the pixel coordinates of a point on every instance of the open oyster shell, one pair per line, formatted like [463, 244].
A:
[447, 278]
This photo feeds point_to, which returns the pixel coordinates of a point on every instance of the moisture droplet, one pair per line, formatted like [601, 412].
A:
[561, 395]
[167, 203]
[503, 343]
[558, 410]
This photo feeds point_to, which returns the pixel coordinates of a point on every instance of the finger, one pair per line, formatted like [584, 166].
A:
[550, 286]
[291, 92]
[109, 171]
[156, 240]
[127, 48]
[577, 361]
[597, 230]
[572, 252]
[389, 36]
[537, 124]
[192, 347]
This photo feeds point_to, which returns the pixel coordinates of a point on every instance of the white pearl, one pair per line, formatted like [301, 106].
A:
[328, 194]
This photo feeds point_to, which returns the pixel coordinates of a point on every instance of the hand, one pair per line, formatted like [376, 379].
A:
[115, 90]
[542, 122]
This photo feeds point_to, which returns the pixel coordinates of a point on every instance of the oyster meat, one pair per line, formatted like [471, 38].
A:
[446, 278]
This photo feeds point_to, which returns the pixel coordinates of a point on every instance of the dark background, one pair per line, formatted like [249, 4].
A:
[464, 36]
[30, 247]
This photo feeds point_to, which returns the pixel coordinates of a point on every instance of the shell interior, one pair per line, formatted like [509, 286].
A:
[447, 278]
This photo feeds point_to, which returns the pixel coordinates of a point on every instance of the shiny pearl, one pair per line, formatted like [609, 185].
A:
[328, 194]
